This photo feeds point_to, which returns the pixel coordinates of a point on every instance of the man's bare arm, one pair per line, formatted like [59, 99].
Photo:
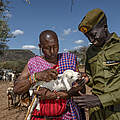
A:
[22, 84]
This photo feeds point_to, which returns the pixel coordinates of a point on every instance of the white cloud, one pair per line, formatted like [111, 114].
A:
[77, 47]
[17, 32]
[29, 47]
[65, 50]
[75, 30]
[67, 31]
[78, 41]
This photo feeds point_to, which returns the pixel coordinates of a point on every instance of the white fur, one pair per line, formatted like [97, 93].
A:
[63, 82]
[67, 78]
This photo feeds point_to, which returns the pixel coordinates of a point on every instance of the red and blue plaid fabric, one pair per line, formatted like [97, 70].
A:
[65, 61]
[68, 61]
[74, 111]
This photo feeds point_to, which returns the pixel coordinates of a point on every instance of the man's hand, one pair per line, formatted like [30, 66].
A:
[47, 75]
[44, 93]
[87, 101]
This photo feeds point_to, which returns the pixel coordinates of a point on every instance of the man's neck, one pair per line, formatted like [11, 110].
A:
[108, 36]
[52, 61]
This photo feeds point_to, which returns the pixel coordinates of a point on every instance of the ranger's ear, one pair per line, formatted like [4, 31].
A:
[105, 27]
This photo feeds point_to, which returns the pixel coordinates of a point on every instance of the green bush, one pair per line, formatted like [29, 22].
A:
[17, 66]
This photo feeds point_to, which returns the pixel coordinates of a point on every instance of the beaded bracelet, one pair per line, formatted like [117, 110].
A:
[32, 78]
[29, 78]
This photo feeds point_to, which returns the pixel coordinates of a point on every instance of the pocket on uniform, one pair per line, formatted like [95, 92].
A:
[108, 71]
[111, 69]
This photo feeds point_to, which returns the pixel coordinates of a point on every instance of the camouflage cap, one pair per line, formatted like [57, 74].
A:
[91, 19]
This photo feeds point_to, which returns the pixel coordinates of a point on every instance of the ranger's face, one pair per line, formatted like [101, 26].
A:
[97, 36]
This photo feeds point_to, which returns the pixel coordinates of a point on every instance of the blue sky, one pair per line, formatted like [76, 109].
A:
[27, 21]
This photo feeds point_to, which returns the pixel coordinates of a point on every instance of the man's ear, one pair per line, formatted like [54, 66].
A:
[39, 45]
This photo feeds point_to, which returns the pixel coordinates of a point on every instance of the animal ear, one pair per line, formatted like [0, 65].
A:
[59, 75]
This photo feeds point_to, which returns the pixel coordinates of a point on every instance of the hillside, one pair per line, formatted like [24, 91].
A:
[16, 54]
[15, 59]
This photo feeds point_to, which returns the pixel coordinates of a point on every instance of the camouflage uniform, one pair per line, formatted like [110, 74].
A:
[103, 67]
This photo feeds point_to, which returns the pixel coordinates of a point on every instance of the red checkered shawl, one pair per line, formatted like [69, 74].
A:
[51, 107]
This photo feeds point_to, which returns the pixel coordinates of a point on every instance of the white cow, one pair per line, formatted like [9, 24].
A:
[11, 75]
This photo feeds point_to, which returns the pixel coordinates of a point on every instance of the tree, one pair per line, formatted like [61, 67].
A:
[81, 54]
[4, 29]
[4, 6]
[4, 36]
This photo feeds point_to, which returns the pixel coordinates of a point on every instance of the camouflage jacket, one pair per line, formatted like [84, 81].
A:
[103, 68]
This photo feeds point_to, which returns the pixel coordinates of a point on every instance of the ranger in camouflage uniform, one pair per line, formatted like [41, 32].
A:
[102, 68]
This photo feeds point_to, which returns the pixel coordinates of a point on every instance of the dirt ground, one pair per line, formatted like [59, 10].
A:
[13, 113]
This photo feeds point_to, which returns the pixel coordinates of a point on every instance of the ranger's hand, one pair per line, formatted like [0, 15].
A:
[85, 77]
[87, 101]
[77, 86]
[47, 75]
